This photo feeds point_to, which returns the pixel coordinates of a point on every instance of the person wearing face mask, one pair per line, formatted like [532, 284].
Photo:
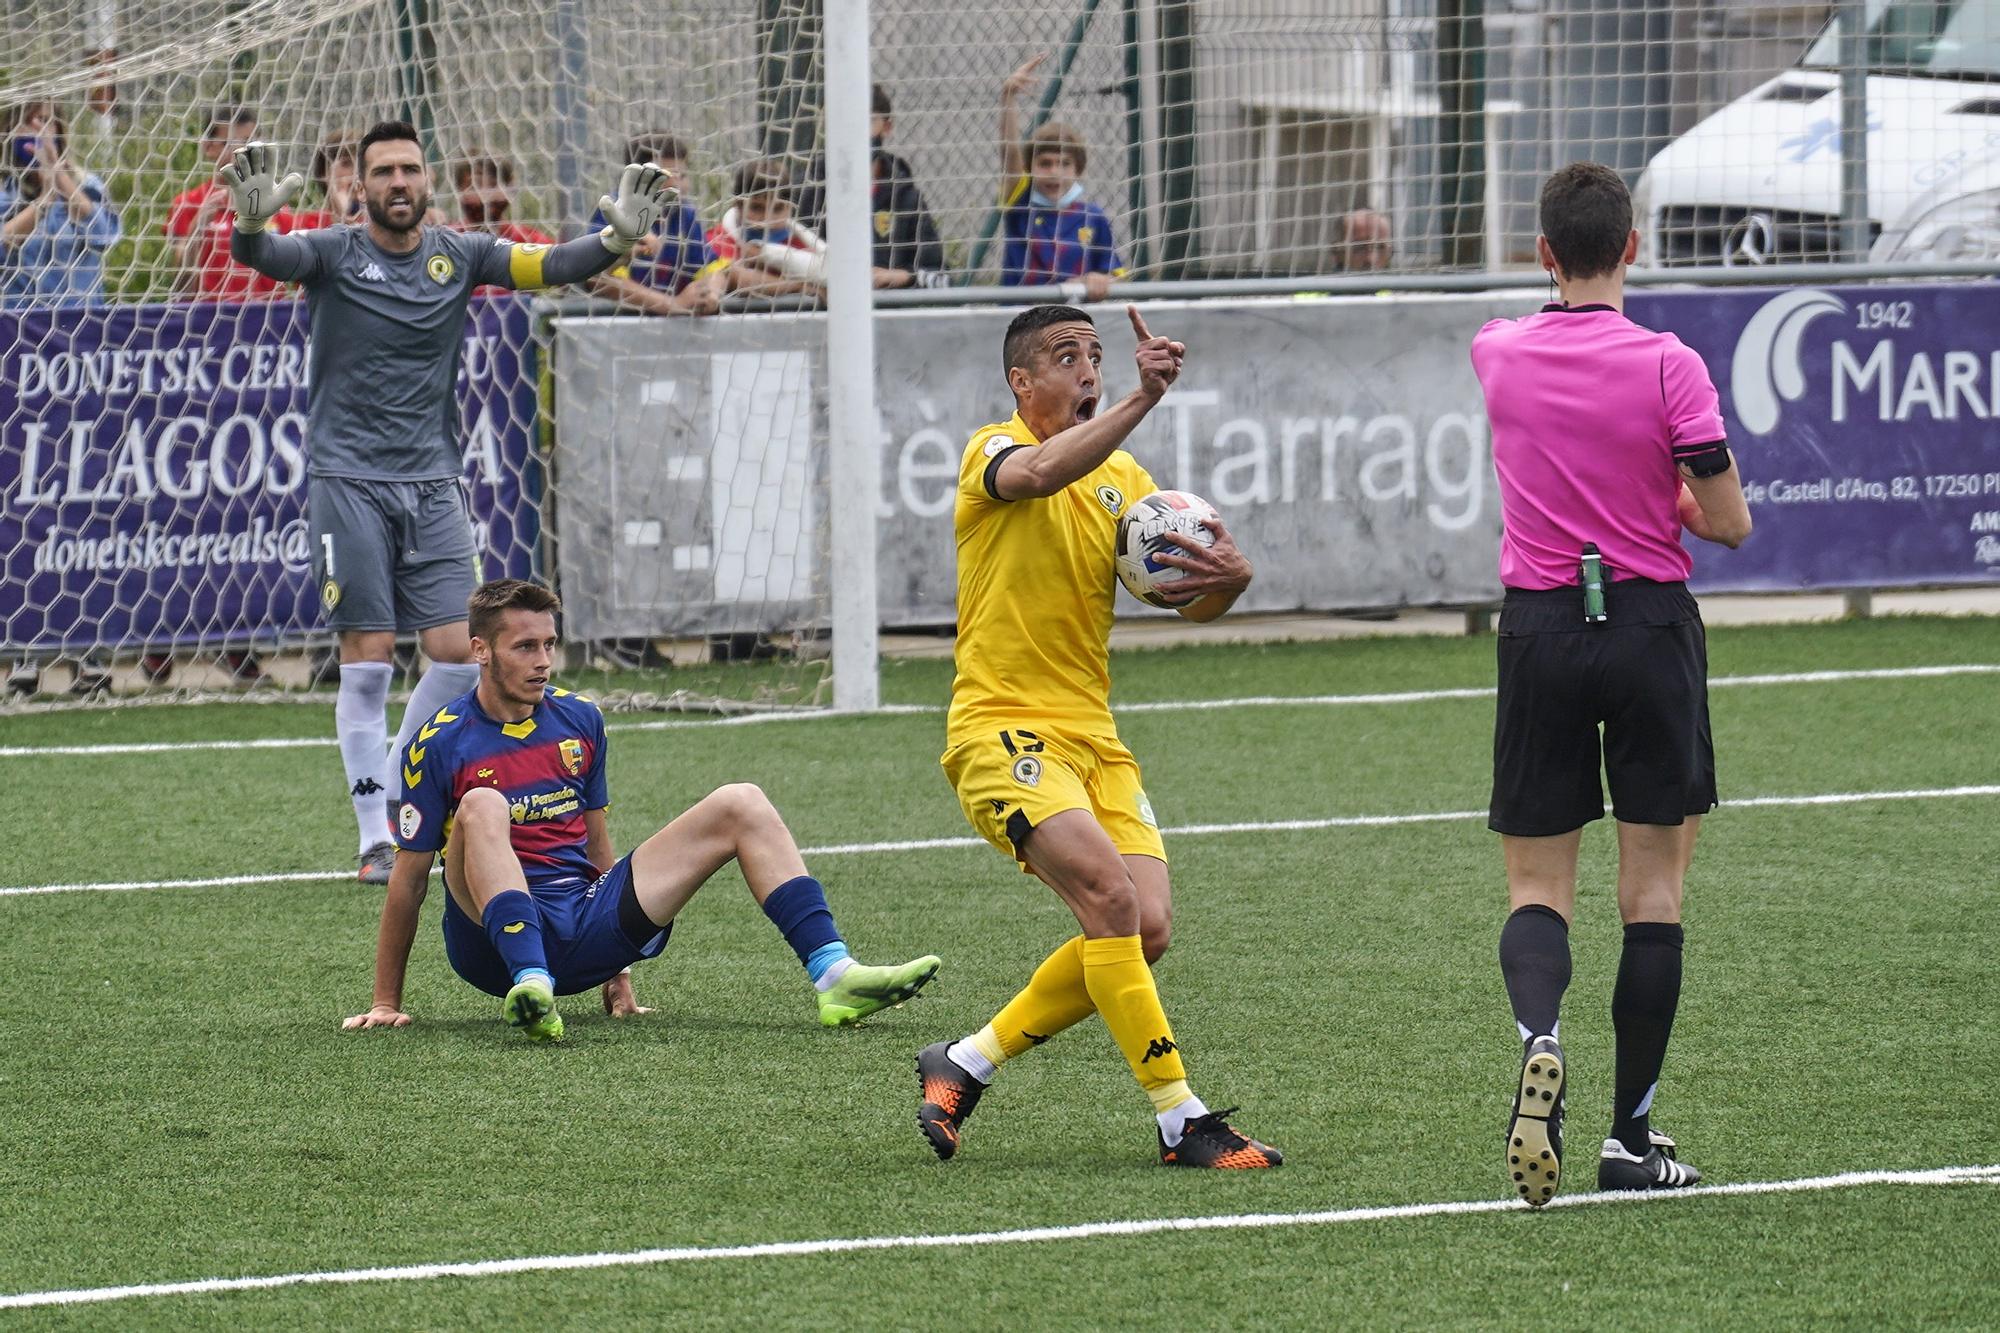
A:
[908, 252]
[58, 218]
[1053, 233]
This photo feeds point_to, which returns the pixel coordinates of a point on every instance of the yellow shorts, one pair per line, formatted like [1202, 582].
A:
[1010, 780]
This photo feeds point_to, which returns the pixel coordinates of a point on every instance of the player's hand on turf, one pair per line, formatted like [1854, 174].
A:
[629, 213]
[1221, 567]
[381, 1016]
[619, 1001]
[1159, 359]
[255, 192]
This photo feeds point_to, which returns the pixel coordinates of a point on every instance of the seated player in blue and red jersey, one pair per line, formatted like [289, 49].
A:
[508, 782]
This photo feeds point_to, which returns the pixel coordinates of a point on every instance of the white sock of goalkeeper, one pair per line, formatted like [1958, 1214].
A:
[441, 684]
[361, 721]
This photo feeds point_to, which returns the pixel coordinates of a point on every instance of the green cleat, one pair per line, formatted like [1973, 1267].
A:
[531, 1007]
[864, 990]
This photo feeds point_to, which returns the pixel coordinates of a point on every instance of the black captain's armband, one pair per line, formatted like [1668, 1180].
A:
[1703, 460]
[993, 470]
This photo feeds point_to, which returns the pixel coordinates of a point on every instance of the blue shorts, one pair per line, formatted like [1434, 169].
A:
[587, 933]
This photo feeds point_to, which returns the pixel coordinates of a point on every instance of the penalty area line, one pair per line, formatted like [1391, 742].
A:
[1180, 831]
[550, 1263]
[921, 710]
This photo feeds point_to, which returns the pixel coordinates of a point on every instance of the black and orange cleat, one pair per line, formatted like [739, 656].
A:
[1207, 1140]
[949, 1094]
[1535, 1133]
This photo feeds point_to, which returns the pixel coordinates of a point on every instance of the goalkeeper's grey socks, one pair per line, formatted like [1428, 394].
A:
[361, 722]
[1534, 957]
[1643, 1003]
[442, 683]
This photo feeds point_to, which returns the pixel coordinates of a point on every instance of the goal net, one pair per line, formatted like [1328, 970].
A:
[658, 445]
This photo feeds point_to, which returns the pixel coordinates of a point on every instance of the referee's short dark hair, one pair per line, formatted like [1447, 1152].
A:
[490, 603]
[1586, 214]
[1019, 349]
[386, 131]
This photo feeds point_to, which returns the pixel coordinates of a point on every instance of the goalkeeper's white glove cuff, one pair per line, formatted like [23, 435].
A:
[615, 243]
[251, 226]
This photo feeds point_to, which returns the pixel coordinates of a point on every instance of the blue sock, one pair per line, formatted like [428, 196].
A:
[798, 908]
[514, 925]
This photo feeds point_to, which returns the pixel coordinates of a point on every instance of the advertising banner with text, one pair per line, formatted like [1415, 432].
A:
[1866, 424]
[153, 470]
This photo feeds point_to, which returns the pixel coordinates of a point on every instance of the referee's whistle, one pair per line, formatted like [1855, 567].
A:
[1591, 576]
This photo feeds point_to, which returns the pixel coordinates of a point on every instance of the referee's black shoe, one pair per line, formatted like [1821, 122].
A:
[1535, 1135]
[1660, 1169]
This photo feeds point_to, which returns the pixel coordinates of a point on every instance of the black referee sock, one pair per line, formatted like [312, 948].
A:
[1534, 957]
[1642, 1012]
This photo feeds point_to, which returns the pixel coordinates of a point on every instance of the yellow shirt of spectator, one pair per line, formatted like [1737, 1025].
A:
[1036, 578]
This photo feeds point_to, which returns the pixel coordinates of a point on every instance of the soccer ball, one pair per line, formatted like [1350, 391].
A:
[1139, 540]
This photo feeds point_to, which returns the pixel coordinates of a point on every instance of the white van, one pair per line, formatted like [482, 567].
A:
[1758, 182]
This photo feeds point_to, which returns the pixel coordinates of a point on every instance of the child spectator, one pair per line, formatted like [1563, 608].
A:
[484, 183]
[664, 273]
[907, 249]
[333, 172]
[1053, 234]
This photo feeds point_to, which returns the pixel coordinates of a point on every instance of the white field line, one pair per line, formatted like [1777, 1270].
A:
[911, 710]
[932, 844]
[1950, 1175]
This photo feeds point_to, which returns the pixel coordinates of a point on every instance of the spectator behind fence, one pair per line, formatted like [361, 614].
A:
[1364, 243]
[484, 183]
[908, 252]
[333, 172]
[1053, 233]
[759, 245]
[663, 275]
[200, 221]
[58, 221]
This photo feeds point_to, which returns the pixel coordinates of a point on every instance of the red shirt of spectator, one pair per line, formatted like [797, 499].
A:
[513, 232]
[217, 276]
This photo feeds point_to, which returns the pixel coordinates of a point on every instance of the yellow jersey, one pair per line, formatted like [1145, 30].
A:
[1036, 579]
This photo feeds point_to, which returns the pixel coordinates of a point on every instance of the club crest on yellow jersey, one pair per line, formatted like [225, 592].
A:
[1111, 498]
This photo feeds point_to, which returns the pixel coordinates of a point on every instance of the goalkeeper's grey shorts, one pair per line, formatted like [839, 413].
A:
[391, 555]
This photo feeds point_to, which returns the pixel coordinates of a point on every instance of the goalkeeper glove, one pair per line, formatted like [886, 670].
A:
[254, 192]
[643, 194]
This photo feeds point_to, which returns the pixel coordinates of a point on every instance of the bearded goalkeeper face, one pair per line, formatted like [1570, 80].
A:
[396, 185]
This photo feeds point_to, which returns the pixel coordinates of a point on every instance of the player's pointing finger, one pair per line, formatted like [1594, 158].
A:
[1139, 323]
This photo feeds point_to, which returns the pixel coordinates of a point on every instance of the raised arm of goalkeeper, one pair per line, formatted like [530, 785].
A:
[257, 193]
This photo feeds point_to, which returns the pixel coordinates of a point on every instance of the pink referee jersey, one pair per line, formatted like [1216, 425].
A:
[1588, 412]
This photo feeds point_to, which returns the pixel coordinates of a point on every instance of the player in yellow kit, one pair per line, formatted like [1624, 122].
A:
[1031, 747]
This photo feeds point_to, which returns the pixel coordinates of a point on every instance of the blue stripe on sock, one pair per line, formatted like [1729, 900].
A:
[824, 957]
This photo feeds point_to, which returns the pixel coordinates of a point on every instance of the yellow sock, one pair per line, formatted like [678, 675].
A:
[1115, 972]
[1053, 999]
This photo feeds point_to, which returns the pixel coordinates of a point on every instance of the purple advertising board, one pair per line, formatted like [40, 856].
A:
[1866, 424]
[153, 470]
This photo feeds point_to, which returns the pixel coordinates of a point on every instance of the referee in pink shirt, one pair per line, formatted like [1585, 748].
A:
[1608, 441]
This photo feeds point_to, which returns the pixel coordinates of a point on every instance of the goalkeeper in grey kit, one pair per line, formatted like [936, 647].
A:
[392, 543]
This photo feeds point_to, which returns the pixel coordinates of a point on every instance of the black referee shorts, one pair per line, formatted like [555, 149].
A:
[1642, 677]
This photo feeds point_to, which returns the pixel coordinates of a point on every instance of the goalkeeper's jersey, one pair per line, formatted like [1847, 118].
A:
[387, 334]
[1036, 578]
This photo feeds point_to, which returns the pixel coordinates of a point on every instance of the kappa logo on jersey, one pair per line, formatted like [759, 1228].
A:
[572, 755]
[373, 273]
[1028, 771]
[409, 819]
[440, 268]
[1111, 498]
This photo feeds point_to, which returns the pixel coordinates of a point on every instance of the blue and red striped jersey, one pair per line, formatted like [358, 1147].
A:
[550, 767]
